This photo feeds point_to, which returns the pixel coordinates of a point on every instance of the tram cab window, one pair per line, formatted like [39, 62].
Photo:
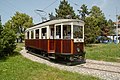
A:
[27, 35]
[66, 32]
[37, 33]
[58, 32]
[77, 31]
[52, 33]
[44, 33]
[31, 34]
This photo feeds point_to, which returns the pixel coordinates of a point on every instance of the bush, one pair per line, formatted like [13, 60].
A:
[7, 42]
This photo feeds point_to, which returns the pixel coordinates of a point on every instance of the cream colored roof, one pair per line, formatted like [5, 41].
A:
[58, 21]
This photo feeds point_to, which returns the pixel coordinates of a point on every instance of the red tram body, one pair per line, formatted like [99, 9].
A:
[62, 38]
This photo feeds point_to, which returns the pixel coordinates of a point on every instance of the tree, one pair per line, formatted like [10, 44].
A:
[119, 17]
[65, 11]
[83, 11]
[97, 14]
[91, 30]
[1, 28]
[94, 24]
[7, 41]
[19, 22]
[111, 27]
[51, 16]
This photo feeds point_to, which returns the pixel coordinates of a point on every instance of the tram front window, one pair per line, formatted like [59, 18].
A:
[77, 31]
[66, 32]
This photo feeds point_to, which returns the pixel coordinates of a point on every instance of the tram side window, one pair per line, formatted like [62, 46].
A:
[44, 33]
[31, 34]
[52, 33]
[66, 32]
[27, 35]
[77, 31]
[37, 33]
[58, 32]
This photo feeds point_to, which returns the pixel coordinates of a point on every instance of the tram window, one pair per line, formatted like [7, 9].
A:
[52, 33]
[77, 31]
[27, 35]
[31, 34]
[58, 32]
[44, 33]
[118, 25]
[37, 33]
[66, 32]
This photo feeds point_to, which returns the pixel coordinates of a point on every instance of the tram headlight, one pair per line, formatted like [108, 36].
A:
[78, 49]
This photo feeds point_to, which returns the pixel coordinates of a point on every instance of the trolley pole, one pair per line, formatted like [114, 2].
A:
[43, 18]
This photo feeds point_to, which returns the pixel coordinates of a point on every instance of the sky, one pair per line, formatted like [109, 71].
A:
[9, 7]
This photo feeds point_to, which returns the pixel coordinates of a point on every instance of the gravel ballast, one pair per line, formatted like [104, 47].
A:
[101, 69]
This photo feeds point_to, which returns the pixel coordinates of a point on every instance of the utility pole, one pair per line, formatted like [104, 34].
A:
[0, 18]
[116, 27]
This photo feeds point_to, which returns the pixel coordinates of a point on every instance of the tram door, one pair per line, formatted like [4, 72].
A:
[52, 41]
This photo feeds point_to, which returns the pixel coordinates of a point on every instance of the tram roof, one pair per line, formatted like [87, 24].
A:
[52, 22]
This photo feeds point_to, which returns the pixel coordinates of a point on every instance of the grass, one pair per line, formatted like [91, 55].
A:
[104, 52]
[19, 68]
[19, 46]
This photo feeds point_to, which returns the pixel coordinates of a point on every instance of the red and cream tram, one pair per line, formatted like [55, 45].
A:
[61, 38]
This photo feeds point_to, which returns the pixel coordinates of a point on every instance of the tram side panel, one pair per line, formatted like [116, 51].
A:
[58, 48]
[40, 44]
[43, 44]
[66, 46]
[61, 46]
[69, 47]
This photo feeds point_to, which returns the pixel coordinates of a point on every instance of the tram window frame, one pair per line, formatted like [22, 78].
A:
[32, 34]
[76, 34]
[44, 33]
[66, 32]
[58, 32]
[37, 34]
[28, 35]
[51, 33]
[118, 25]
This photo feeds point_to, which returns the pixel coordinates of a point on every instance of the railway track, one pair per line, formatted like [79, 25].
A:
[103, 70]
[104, 64]
[61, 62]
[95, 66]
[99, 69]
[112, 68]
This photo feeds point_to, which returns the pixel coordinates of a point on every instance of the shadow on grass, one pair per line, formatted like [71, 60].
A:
[13, 54]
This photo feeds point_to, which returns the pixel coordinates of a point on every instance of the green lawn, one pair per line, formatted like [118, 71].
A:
[19, 68]
[105, 52]
[19, 46]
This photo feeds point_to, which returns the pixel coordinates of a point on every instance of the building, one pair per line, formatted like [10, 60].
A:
[118, 27]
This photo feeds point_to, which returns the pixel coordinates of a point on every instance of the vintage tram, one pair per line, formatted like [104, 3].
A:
[58, 39]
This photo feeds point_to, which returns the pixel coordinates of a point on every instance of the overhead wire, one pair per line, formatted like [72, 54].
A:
[74, 3]
[13, 6]
[50, 4]
[46, 8]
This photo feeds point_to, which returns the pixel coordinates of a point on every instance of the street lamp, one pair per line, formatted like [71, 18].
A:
[41, 13]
